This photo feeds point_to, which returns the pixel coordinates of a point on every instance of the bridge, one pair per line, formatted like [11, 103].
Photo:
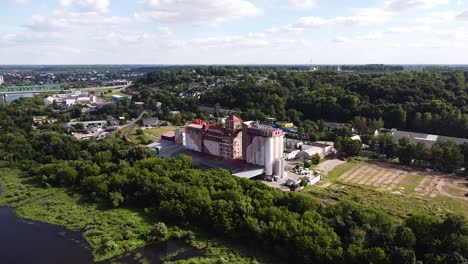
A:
[34, 89]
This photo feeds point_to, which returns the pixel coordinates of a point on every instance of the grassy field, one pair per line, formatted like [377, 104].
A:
[398, 205]
[410, 183]
[114, 92]
[339, 170]
[110, 232]
[151, 134]
[157, 132]
[395, 189]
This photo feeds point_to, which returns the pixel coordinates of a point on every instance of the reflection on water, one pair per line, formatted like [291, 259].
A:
[26, 242]
[31, 242]
[152, 253]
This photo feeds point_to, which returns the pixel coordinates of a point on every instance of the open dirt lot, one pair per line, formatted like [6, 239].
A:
[404, 179]
[329, 165]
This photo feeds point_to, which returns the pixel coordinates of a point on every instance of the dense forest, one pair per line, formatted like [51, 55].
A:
[424, 102]
[295, 228]
[430, 102]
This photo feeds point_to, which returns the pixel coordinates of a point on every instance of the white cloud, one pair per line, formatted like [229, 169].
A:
[198, 12]
[21, 37]
[463, 16]
[341, 39]
[60, 20]
[302, 3]
[400, 5]
[98, 6]
[360, 16]
[286, 29]
[130, 37]
[371, 36]
[251, 40]
[459, 34]
[437, 17]
[410, 29]
[21, 2]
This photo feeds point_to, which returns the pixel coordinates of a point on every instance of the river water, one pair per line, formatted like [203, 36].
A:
[30, 242]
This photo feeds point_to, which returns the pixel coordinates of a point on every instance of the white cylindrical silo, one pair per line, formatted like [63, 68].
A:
[269, 160]
[281, 146]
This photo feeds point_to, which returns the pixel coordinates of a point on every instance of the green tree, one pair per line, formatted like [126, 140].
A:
[407, 151]
[350, 147]
[116, 198]
[160, 232]
[316, 159]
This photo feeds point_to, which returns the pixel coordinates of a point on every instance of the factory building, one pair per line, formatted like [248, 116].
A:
[194, 137]
[211, 139]
[263, 145]
[249, 141]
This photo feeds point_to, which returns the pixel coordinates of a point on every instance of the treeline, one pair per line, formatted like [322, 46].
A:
[294, 228]
[444, 156]
[429, 102]
[372, 68]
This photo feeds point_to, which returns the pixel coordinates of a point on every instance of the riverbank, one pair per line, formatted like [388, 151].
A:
[109, 232]
[24, 242]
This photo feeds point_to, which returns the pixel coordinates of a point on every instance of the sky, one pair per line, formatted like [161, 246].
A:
[233, 31]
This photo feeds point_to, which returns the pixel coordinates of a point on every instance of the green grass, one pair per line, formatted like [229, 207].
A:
[126, 227]
[411, 182]
[109, 95]
[399, 206]
[151, 134]
[340, 170]
[156, 133]
[56, 206]
[455, 191]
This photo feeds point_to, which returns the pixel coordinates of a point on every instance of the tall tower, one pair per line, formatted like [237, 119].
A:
[233, 123]
[1, 80]
[263, 145]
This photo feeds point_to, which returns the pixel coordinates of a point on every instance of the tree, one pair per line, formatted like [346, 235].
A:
[350, 147]
[421, 153]
[316, 159]
[217, 110]
[116, 198]
[447, 156]
[360, 123]
[388, 145]
[160, 232]
[407, 151]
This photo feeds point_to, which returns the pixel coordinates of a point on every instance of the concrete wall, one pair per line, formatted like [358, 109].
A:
[212, 147]
[263, 151]
[180, 137]
[237, 147]
[194, 140]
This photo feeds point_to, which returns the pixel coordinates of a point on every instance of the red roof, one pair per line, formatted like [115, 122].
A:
[234, 118]
[198, 121]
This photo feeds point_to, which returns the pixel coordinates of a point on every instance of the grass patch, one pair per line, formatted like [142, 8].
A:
[151, 134]
[340, 170]
[455, 191]
[399, 206]
[411, 182]
[109, 232]
[156, 133]
[109, 95]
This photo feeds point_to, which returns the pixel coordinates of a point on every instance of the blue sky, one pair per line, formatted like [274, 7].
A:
[233, 31]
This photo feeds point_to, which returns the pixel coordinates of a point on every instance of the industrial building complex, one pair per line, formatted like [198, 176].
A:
[251, 142]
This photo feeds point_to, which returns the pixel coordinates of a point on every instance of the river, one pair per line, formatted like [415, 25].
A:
[31, 242]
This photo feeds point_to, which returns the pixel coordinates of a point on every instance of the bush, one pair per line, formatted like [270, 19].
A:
[316, 159]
